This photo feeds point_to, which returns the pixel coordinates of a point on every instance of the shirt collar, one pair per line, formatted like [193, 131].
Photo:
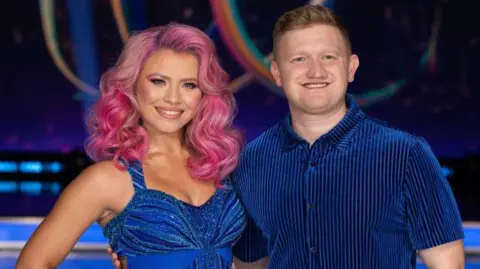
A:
[337, 137]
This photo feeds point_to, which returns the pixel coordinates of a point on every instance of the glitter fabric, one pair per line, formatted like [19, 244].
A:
[156, 229]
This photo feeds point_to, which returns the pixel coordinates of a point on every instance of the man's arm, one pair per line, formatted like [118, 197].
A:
[260, 264]
[447, 256]
[250, 251]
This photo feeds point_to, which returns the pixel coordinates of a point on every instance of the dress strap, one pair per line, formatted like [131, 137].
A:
[136, 173]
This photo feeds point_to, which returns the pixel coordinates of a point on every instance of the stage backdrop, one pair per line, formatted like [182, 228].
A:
[418, 62]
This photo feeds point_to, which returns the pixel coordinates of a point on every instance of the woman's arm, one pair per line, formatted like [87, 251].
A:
[81, 204]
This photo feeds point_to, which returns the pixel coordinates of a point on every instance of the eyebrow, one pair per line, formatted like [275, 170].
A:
[300, 50]
[169, 78]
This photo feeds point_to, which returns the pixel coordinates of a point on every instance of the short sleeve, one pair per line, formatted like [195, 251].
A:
[432, 212]
[252, 245]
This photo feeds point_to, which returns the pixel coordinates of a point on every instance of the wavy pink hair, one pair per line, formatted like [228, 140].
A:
[115, 131]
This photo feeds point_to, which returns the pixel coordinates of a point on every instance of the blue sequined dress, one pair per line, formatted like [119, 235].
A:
[156, 230]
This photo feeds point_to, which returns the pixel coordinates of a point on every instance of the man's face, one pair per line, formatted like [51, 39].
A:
[314, 66]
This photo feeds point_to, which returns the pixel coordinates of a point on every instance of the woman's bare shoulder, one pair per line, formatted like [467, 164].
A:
[104, 173]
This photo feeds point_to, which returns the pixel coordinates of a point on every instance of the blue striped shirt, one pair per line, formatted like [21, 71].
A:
[364, 195]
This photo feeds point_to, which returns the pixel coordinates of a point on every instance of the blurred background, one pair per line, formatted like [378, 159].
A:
[418, 65]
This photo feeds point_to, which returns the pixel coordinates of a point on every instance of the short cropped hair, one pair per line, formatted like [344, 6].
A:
[306, 16]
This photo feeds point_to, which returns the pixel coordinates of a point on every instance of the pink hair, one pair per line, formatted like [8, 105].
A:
[114, 120]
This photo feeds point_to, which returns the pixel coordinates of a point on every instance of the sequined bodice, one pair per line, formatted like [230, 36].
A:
[156, 230]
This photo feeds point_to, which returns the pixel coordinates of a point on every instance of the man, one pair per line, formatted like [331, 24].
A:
[329, 187]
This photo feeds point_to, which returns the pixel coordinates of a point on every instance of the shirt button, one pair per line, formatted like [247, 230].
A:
[311, 205]
[313, 163]
[313, 250]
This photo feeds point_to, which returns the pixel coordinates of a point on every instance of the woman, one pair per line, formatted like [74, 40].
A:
[162, 136]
